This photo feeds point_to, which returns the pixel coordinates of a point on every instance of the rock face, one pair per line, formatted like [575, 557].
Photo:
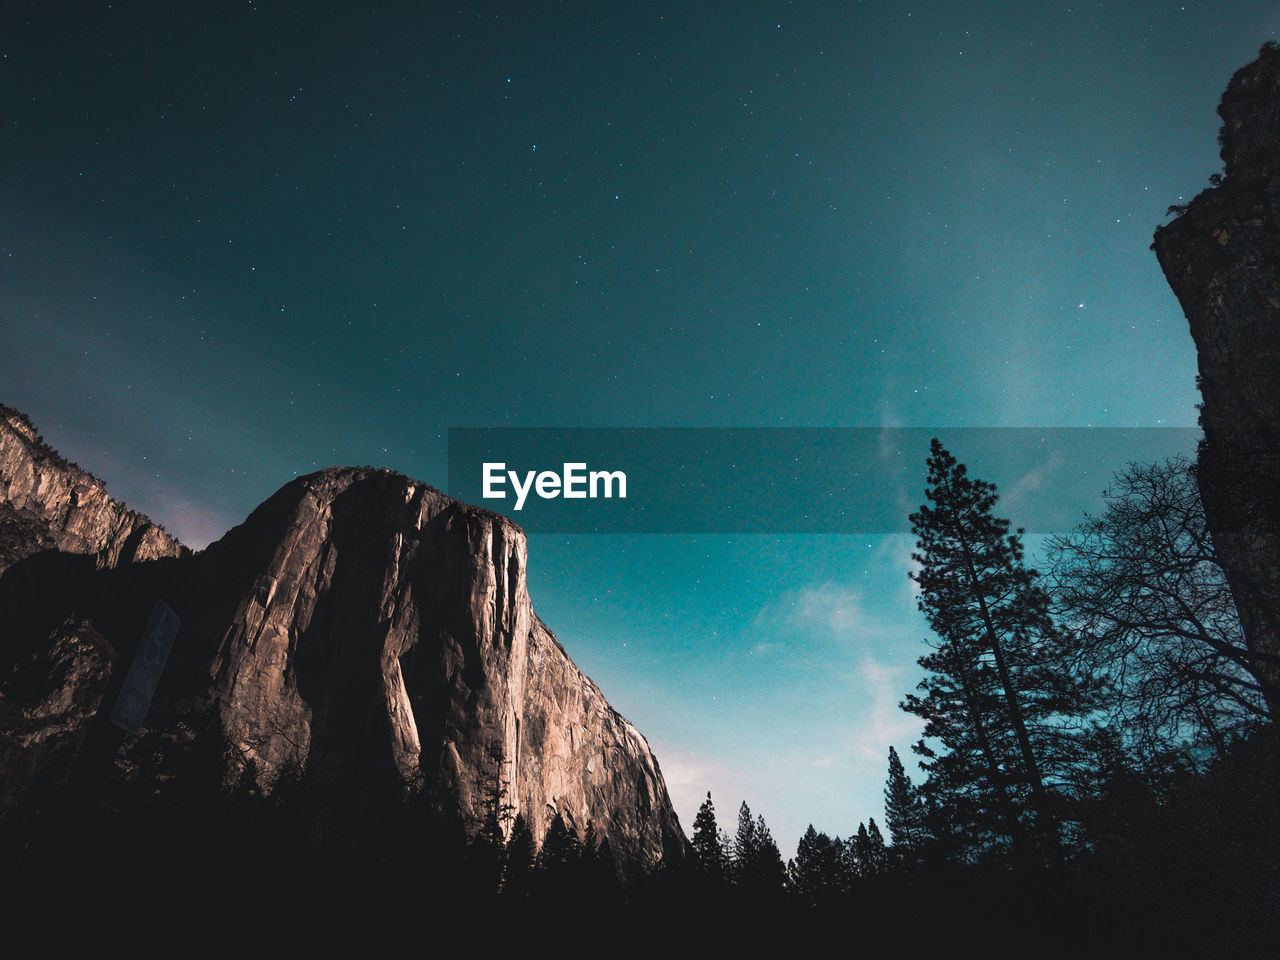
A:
[1222, 258]
[359, 629]
[48, 503]
[384, 631]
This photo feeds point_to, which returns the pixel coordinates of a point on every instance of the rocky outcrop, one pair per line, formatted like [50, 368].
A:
[48, 503]
[1221, 256]
[360, 631]
[383, 631]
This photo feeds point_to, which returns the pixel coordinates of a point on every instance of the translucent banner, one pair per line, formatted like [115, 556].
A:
[784, 480]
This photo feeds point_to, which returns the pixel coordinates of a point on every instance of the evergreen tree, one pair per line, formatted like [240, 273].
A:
[818, 874]
[711, 860]
[876, 852]
[903, 811]
[744, 845]
[758, 870]
[487, 852]
[726, 844]
[768, 872]
[966, 788]
[498, 811]
[861, 855]
[521, 859]
[599, 870]
[599, 864]
[560, 858]
[998, 696]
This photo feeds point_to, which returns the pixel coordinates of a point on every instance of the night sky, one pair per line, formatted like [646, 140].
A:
[243, 241]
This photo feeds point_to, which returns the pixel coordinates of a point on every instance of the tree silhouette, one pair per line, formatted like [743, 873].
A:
[867, 851]
[560, 858]
[904, 813]
[487, 853]
[711, 860]
[998, 698]
[877, 852]
[768, 872]
[819, 874]
[599, 868]
[757, 868]
[521, 859]
[1151, 611]
[744, 846]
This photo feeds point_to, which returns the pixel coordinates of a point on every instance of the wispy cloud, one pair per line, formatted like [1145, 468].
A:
[768, 648]
[849, 612]
[883, 723]
[1022, 498]
[835, 608]
[691, 776]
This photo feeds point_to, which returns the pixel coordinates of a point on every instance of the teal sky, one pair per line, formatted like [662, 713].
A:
[240, 242]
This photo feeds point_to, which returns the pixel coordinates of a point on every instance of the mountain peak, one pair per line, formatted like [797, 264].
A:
[366, 634]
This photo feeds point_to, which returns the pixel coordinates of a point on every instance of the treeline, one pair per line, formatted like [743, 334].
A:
[1099, 775]
[179, 833]
[1099, 764]
[1121, 672]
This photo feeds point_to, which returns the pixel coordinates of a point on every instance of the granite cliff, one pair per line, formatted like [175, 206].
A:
[48, 503]
[360, 630]
[1221, 256]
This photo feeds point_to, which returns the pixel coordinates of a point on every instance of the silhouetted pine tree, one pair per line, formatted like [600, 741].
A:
[819, 873]
[560, 858]
[867, 851]
[487, 854]
[877, 852]
[903, 811]
[599, 870]
[744, 845]
[999, 697]
[711, 859]
[605, 865]
[769, 873]
[757, 868]
[521, 859]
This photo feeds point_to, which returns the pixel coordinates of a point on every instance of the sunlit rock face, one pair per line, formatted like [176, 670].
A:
[360, 630]
[1222, 258]
[384, 631]
[48, 503]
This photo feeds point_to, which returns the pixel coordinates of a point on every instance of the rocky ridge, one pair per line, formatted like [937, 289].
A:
[382, 627]
[48, 503]
[360, 630]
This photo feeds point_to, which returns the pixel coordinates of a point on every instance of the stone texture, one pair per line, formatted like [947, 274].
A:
[383, 630]
[1221, 256]
[48, 503]
[361, 630]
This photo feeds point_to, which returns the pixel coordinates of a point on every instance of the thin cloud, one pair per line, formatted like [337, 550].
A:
[1022, 498]
[884, 723]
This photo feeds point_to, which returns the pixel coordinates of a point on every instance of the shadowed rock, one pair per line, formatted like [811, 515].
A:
[360, 630]
[1222, 258]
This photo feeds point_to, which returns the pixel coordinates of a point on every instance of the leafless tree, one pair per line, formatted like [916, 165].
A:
[1153, 614]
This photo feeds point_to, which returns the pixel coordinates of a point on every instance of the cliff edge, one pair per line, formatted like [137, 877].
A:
[1221, 256]
[360, 633]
